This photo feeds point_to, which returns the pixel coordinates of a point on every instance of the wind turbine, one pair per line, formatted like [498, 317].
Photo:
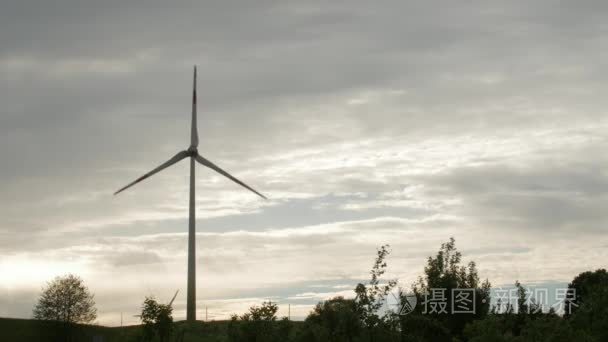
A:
[192, 153]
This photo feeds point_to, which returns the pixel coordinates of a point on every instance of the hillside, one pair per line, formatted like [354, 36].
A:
[26, 330]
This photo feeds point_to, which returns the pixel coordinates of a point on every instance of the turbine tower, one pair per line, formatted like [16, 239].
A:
[192, 153]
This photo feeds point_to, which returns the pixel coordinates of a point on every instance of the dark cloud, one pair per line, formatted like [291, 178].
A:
[552, 195]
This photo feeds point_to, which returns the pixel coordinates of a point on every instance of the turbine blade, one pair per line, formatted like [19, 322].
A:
[194, 128]
[179, 156]
[171, 302]
[217, 169]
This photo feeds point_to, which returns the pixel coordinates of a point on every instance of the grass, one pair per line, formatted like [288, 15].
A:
[29, 330]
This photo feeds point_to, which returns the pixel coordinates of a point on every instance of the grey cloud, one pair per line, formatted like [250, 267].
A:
[133, 258]
[547, 197]
[492, 111]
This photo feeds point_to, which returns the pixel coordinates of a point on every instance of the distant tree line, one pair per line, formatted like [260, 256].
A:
[365, 318]
[413, 316]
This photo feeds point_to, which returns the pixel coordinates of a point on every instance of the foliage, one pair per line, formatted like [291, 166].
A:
[334, 320]
[284, 329]
[421, 328]
[66, 299]
[370, 298]
[528, 323]
[233, 329]
[258, 325]
[592, 315]
[362, 319]
[523, 327]
[157, 319]
[267, 312]
[583, 285]
[444, 271]
[550, 328]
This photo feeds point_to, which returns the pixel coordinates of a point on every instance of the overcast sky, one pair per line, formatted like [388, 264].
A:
[364, 122]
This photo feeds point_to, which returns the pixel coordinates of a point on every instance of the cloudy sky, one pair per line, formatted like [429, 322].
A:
[364, 122]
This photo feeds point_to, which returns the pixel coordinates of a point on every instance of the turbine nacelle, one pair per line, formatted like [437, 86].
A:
[193, 151]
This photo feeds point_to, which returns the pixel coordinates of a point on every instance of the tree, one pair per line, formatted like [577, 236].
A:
[267, 312]
[372, 297]
[590, 312]
[445, 272]
[420, 328]
[66, 299]
[525, 321]
[157, 319]
[336, 319]
[234, 334]
[257, 325]
[551, 328]
[524, 327]
[284, 330]
[582, 286]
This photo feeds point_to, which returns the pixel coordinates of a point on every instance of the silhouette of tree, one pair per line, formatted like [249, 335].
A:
[527, 322]
[257, 325]
[420, 328]
[362, 319]
[267, 312]
[66, 299]
[445, 272]
[582, 286]
[284, 329]
[372, 297]
[590, 314]
[335, 319]
[543, 327]
[234, 333]
[157, 319]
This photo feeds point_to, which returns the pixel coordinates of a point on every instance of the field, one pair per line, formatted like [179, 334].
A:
[26, 330]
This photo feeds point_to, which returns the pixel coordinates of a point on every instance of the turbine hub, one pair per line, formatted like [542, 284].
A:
[192, 151]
